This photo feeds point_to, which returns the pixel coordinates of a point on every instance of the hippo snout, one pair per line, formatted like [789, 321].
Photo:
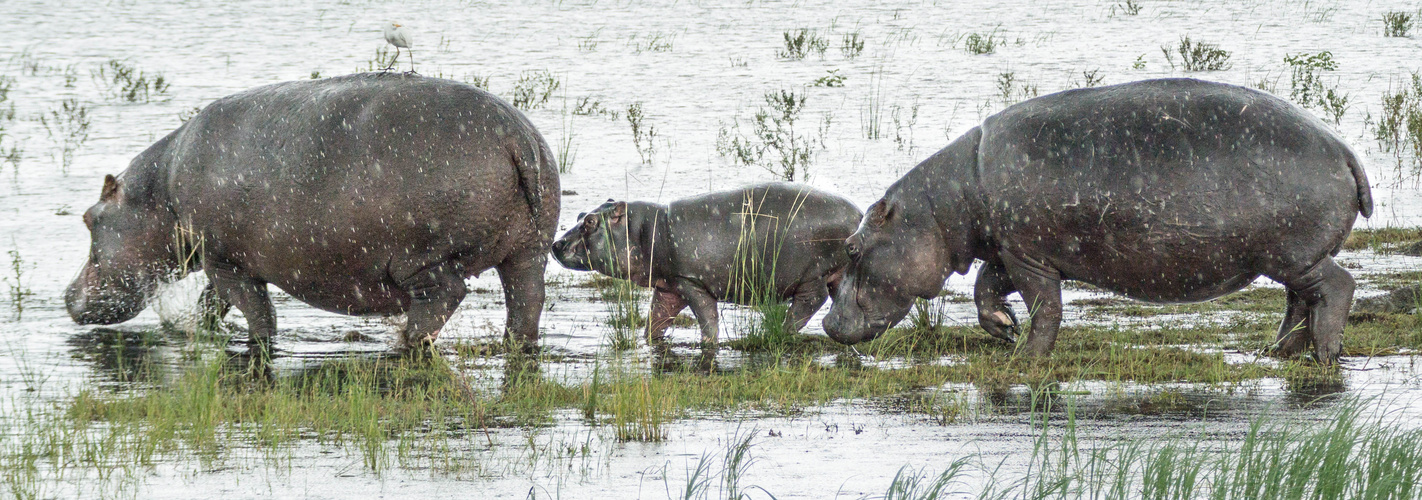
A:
[88, 305]
[850, 329]
[569, 259]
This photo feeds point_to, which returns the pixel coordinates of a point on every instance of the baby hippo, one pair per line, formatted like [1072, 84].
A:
[770, 242]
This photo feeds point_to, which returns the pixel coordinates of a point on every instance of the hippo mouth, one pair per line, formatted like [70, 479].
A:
[560, 254]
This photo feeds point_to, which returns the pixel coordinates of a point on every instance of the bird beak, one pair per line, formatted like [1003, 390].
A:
[397, 26]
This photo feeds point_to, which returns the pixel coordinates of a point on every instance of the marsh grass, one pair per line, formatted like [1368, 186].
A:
[1126, 8]
[16, 285]
[759, 243]
[68, 126]
[534, 89]
[983, 43]
[1399, 129]
[1381, 239]
[644, 135]
[1197, 56]
[567, 153]
[871, 113]
[773, 142]
[121, 81]
[1012, 89]
[802, 42]
[851, 45]
[1397, 23]
[1306, 85]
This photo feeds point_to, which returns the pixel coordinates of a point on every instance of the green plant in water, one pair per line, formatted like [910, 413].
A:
[1399, 129]
[851, 45]
[802, 42]
[15, 284]
[1197, 56]
[1012, 90]
[643, 135]
[534, 89]
[124, 82]
[984, 43]
[1307, 87]
[773, 144]
[1397, 23]
[68, 127]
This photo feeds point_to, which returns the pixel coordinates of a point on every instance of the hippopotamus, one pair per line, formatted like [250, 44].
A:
[763, 243]
[1172, 190]
[367, 194]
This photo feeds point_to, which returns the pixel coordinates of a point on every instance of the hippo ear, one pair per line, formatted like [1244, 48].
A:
[110, 190]
[619, 210]
[878, 213]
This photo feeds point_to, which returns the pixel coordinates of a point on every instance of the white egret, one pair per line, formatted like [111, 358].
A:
[400, 37]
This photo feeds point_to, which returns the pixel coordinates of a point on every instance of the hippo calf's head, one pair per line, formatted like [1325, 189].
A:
[896, 255]
[131, 250]
[603, 242]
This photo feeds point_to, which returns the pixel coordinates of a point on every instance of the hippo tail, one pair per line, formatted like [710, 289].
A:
[531, 159]
[1365, 192]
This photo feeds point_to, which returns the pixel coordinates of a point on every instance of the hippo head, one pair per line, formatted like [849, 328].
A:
[604, 241]
[132, 248]
[897, 254]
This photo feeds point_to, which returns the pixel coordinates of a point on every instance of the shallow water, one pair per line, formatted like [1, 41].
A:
[720, 60]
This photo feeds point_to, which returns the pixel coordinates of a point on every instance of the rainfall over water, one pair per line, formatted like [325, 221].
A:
[659, 101]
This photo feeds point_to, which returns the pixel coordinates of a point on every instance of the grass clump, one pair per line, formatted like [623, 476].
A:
[1397, 23]
[983, 43]
[851, 45]
[1128, 8]
[1012, 90]
[122, 81]
[534, 89]
[774, 144]
[1197, 56]
[1307, 87]
[802, 42]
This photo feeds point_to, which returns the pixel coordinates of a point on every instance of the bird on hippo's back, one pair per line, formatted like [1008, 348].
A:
[397, 35]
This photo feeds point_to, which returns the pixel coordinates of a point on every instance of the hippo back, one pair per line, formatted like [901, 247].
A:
[337, 189]
[788, 233]
[1167, 190]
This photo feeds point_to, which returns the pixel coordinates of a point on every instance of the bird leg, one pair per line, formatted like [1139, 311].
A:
[393, 59]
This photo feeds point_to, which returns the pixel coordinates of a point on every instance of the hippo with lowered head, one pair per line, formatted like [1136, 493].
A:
[773, 242]
[1172, 190]
[368, 194]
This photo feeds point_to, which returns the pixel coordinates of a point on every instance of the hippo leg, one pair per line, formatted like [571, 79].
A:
[666, 304]
[1041, 289]
[1327, 291]
[249, 295]
[808, 299]
[990, 294]
[703, 305]
[522, 279]
[1293, 331]
[435, 292]
[211, 308]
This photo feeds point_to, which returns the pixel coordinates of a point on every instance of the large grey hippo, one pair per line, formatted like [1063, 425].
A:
[768, 242]
[1170, 190]
[368, 194]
